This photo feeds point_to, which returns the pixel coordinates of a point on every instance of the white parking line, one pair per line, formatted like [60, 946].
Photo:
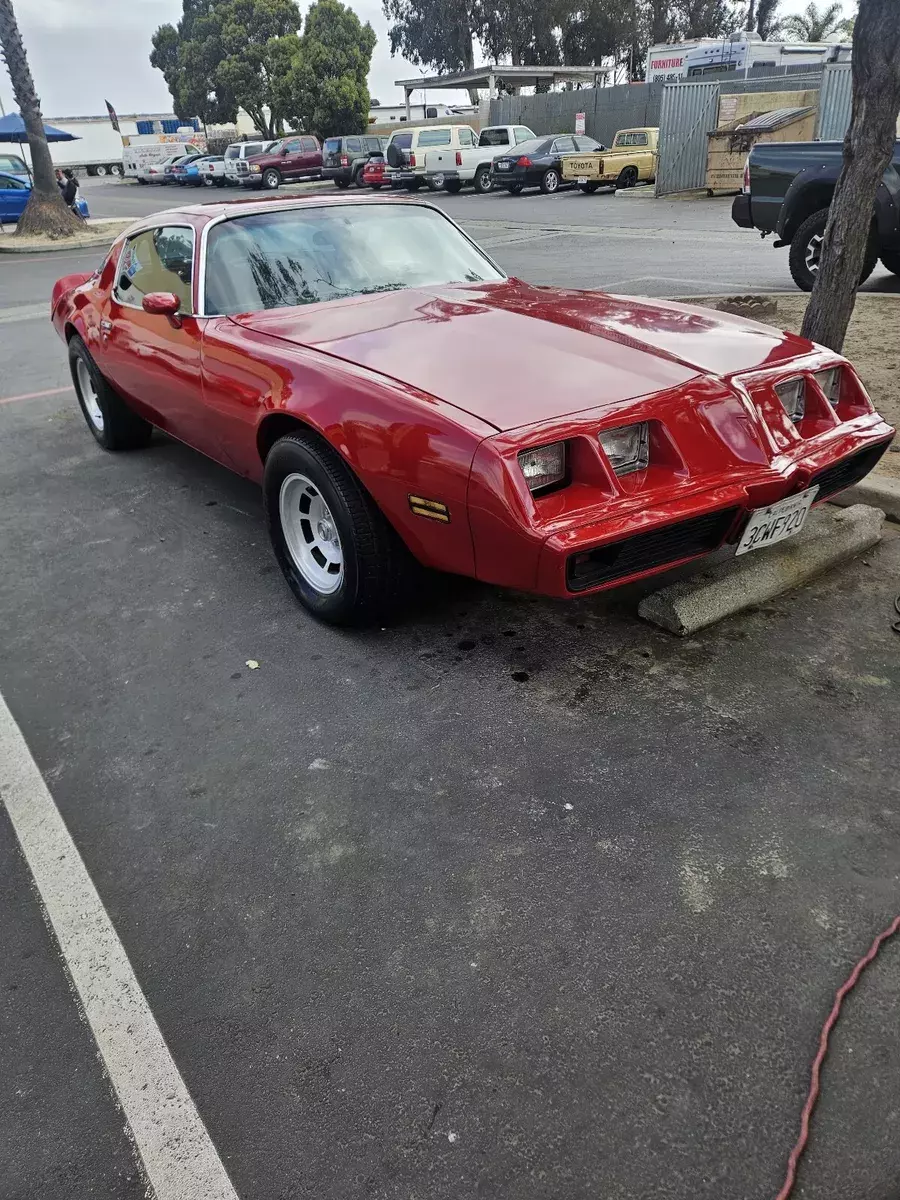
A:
[178, 1155]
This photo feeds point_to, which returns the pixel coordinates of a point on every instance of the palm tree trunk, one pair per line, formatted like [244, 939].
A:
[868, 148]
[46, 212]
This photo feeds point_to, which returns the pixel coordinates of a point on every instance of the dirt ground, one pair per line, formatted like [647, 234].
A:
[872, 345]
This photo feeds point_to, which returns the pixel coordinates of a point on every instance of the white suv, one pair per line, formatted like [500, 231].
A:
[407, 148]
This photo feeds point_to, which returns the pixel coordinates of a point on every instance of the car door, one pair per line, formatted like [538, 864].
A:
[154, 361]
[310, 157]
[561, 146]
[291, 159]
[13, 198]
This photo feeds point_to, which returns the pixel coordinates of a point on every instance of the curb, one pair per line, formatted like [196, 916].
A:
[878, 491]
[830, 536]
[87, 245]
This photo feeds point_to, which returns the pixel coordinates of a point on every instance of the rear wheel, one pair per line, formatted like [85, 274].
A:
[482, 181]
[452, 186]
[340, 557]
[271, 179]
[100, 170]
[358, 178]
[892, 262]
[342, 183]
[628, 177]
[806, 250]
[550, 182]
[108, 417]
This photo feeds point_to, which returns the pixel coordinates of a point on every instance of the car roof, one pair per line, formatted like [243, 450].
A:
[250, 206]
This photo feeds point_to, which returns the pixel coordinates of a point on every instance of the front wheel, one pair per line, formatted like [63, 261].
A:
[271, 179]
[342, 183]
[340, 557]
[550, 182]
[414, 185]
[628, 177]
[108, 417]
[482, 181]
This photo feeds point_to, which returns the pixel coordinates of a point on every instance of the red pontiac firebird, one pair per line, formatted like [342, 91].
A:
[400, 399]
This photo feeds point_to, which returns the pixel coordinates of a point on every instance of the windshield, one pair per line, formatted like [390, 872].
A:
[331, 146]
[284, 259]
[13, 164]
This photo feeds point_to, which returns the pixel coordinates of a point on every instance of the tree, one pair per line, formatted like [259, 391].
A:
[523, 33]
[45, 212]
[868, 148]
[326, 90]
[435, 33]
[229, 54]
[704, 18]
[814, 24]
[768, 22]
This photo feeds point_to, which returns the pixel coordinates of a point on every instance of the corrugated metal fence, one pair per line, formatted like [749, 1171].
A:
[605, 110]
[689, 111]
[835, 102]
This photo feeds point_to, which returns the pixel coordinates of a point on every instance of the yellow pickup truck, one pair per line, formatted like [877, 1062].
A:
[632, 159]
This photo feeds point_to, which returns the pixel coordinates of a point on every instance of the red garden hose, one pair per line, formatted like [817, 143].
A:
[813, 1094]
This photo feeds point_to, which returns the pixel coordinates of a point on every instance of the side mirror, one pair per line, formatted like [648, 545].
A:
[163, 304]
[284, 151]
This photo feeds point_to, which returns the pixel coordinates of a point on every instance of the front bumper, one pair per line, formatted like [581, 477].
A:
[632, 537]
[740, 211]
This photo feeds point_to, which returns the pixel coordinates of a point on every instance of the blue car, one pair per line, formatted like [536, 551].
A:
[14, 193]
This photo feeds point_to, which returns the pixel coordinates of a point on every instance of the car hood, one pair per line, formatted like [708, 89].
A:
[513, 354]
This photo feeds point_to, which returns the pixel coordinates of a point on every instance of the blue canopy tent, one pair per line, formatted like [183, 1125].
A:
[12, 129]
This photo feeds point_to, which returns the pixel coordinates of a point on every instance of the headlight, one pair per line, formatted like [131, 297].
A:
[792, 395]
[544, 466]
[627, 448]
[255, 167]
[830, 383]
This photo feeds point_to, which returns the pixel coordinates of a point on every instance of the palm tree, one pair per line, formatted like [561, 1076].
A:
[814, 24]
[46, 211]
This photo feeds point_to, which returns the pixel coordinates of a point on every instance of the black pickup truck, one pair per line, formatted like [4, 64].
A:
[787, 190]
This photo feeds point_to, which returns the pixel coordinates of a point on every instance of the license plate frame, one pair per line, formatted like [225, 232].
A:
[503, 166]
[582, 179]
[776, 522]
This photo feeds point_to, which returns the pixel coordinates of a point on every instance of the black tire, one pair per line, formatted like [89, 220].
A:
[515, 189]
[891, 261]
[588, 188]
[342, 183]
[378, 570]
[550, 182]
[482, 181]
[806, 245]
[628, 177]
[376, 187]
[271, 178]
[358, 177]
[453, 186]
[414, 185]
[121, 429]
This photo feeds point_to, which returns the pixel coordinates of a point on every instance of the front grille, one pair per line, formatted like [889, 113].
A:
[645, 551]
[848, 471]
[243, 167]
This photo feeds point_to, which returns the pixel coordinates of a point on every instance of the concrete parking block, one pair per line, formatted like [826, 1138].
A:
[830, 536]
[878, 490]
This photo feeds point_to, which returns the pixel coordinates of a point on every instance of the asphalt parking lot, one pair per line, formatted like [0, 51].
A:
[515, 899]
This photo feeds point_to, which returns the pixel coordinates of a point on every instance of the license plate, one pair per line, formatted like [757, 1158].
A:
[777, 522]
[581, 179]
[503, 166]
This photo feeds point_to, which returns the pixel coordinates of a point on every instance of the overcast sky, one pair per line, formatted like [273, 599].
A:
[83, 52]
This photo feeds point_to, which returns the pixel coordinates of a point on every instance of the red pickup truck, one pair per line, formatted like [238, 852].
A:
[298, 156]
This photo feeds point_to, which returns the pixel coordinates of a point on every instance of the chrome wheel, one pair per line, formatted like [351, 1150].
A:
[88, 394]
[814, 252]
[311, 534]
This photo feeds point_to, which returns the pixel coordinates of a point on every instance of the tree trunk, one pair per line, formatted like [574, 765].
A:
[751, 15]
[868, 149]
[46, 212]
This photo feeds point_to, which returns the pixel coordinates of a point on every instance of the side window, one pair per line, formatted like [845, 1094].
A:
[565, 145]
[292, 147]
[640, 139]
[157, 260]
[309, 143]
[7, 183]
[373, 145]
[434, 137]
[522, 134]
[466, 137]
[354, 146]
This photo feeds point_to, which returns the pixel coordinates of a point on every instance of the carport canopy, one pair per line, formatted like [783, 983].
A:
[491, 76]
